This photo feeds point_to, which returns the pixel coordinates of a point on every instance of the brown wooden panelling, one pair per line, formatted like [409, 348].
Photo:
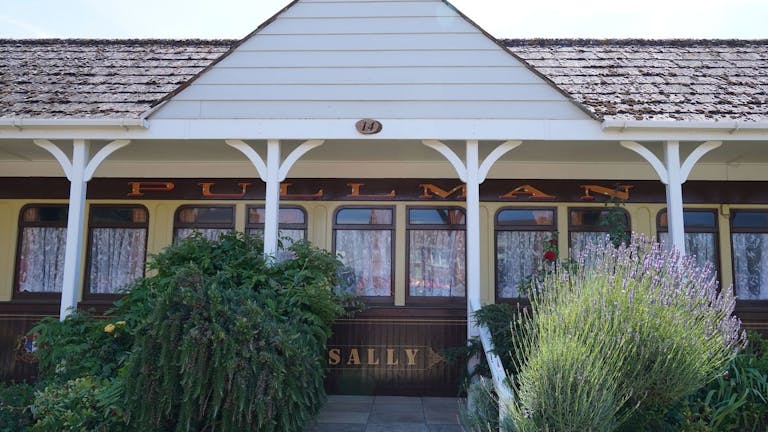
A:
[14, 365]
[396, 351]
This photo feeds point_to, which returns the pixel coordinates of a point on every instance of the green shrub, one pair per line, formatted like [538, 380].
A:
[79, 346]
[14, 402]
[81, 404]
[625, 335]
[224, 341]
[737, 400]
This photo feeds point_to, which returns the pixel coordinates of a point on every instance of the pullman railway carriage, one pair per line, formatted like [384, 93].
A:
[433, 159]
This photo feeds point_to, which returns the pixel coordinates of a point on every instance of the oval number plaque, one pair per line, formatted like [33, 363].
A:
[369, 126]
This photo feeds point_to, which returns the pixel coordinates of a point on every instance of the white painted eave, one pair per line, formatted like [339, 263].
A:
[44, 123]
[729, 126]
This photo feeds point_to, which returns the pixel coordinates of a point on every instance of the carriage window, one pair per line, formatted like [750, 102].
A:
[42, 240]
[118, 245]
[436, 252]
[749, 240]
[363, 240]
[700, 234]
[521, 235]
[292, 226]
[210, 221]
[589, 225]
[292, 223]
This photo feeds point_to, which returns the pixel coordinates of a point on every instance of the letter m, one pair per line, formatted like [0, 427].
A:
[430, 191]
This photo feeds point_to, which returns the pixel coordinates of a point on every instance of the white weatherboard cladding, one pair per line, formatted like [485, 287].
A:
[379, 59]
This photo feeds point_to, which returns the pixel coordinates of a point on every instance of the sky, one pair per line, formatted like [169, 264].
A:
[233, 19]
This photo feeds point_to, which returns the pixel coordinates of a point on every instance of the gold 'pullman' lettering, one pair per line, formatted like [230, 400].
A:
[138, 188]
[284, 193]
[207, 190]
[355, 193]
[527, 191]
[431, 190]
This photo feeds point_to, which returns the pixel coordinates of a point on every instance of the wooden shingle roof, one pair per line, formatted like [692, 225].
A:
[613, 79]
[75, 78]
[689, 80]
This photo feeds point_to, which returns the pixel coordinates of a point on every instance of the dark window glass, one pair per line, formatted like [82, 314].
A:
[210, 221]
[700, 234]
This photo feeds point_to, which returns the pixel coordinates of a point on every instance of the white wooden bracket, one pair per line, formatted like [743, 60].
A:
[661, 169]
[272, 172]
[461, 168]
[285, 166]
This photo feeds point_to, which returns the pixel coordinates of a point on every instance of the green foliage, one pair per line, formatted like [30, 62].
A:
[737, 400]
[77, 405]
[614, 219]
[627, 334]
[481, 412]
[79, 346]
[14, 402]
[224, 341]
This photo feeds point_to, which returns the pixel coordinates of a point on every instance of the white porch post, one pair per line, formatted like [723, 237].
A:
[272, 199]
[473, 234]
[673, 175]
[272, 173]
[674, 188]
[472, 173]
[79, 171]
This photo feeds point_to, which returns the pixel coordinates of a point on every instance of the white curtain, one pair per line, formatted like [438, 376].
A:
[580, 240]
[41, 261]
[287, 238]
[437, 263]
[209, 233]
[750, 259]
[117, 258]
[518, 255]
[367, 259]
[701, 245]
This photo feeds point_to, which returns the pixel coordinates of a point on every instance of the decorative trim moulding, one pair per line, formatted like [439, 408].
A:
[21, 123]
[731, 127]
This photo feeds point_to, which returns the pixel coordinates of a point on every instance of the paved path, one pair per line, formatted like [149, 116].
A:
[388, 414]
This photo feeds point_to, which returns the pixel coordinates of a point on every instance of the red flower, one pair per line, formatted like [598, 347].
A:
[551, 242]
[550, 256]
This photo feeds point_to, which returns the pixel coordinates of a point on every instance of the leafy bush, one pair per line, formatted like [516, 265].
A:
[224, 341]
[737, 400]
[14, 402]
[80, 346]
[80, 404]
[629, 332]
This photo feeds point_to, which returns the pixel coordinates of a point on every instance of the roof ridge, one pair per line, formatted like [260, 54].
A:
[630, 42]
[91, 42]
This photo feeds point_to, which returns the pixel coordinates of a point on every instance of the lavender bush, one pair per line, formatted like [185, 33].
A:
[628, 332]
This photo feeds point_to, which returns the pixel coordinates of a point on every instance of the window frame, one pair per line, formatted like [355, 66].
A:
[34, 296]
[292, 226]
[87, 294]
[751, 305]
[715, 231]
[179, 209]
[392, 228]
[574, 228]
[432, 300]
[497, 228]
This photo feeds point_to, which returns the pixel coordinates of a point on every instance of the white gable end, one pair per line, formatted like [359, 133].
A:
[352, 59]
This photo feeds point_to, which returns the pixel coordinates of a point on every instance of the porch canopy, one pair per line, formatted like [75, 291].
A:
[449, 100]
